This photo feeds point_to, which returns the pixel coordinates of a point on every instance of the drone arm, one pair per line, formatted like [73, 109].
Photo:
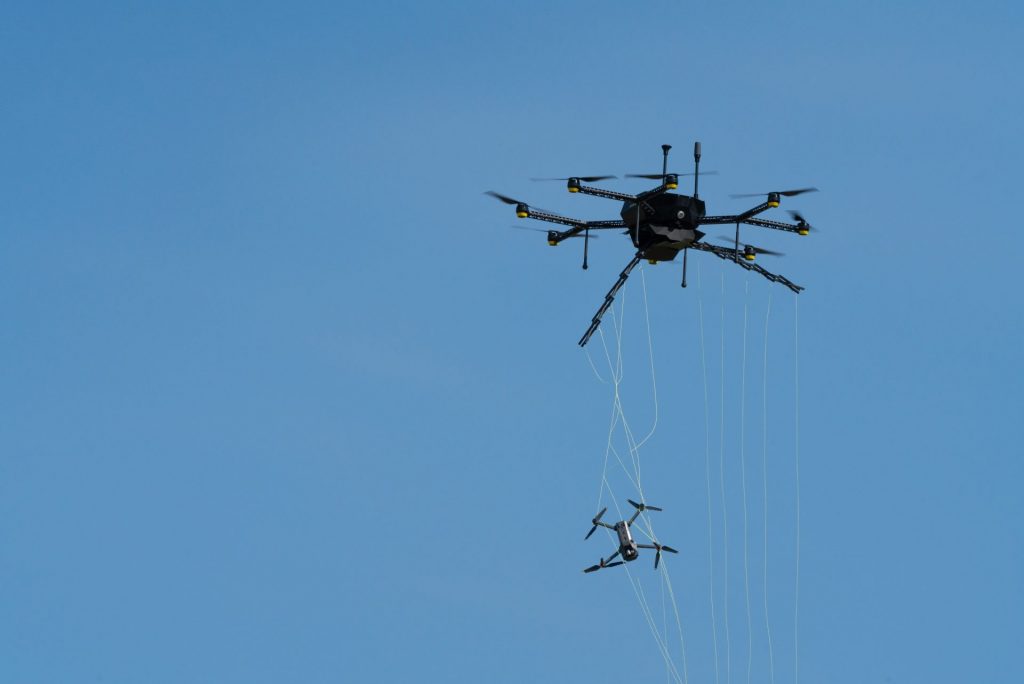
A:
[635, 516]
[738, 218]
[608, 298]
[660, 190]
[556, 236]
[731, 255]
[776, 225]
[541, 215]
[607, 194]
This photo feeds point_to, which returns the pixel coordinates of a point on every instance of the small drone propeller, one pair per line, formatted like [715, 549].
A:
[657, 555]
[585, 179]
[504, 198]
[784, 193]
[596, 520]
[752, 248]
[602, 564]
[522, 208]
[642, 507]
[545, 230]
[802, 223]
[658, 176]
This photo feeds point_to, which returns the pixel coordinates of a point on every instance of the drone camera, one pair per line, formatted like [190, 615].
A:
[522, 211]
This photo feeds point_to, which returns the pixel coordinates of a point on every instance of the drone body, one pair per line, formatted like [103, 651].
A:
[628, 548]
[661, 224]
[667, 224]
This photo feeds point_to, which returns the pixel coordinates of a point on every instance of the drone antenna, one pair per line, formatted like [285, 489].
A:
[664, 161]
[685, 251]
[696, 167]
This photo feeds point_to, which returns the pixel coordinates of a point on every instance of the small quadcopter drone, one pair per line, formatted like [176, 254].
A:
[628, 548]
[661, 224]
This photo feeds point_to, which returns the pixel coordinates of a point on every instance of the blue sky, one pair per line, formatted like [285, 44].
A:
[285, 399]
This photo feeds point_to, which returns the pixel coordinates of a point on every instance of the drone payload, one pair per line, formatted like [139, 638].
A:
[661, 224]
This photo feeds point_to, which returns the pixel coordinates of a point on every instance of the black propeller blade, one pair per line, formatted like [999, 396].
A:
[642, 507]
[597, 519]
[755, 250]
[801, 221]
[603, 564]
[657, 556]
[520, 206]
[658, 176]
[504, 198]
[545, 230]
[585, 179]
[752, 248]
[784, 193]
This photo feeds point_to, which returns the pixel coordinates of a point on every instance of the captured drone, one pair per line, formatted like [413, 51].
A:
[661, 224]
[628, 548]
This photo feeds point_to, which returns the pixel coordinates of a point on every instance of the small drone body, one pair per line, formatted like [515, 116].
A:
[661, 224]
[628, 548]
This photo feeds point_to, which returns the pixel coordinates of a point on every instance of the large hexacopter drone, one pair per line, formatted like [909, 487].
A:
[661, 224]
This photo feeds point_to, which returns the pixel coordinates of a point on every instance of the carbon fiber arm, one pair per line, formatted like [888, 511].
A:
[608, 298]
[607, 194]
[737, 218]
[542, 215]
[776, 225]
[557, 236]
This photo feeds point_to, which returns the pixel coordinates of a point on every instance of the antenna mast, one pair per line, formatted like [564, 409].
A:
[696, 167]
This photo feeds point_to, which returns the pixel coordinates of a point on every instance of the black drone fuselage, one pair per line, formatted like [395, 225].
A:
[663, 225]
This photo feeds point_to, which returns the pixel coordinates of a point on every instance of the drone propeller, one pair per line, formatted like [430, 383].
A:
[642, 507]
[657, 555]
[602, 564]
[658, 176]
[596, 520]
[585, 179]
[752, 249]
[522, 208]
[504, 198]
[784, 193]
[801, 222]
[545, 230]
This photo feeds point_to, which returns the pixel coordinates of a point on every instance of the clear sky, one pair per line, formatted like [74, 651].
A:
[284, 399]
